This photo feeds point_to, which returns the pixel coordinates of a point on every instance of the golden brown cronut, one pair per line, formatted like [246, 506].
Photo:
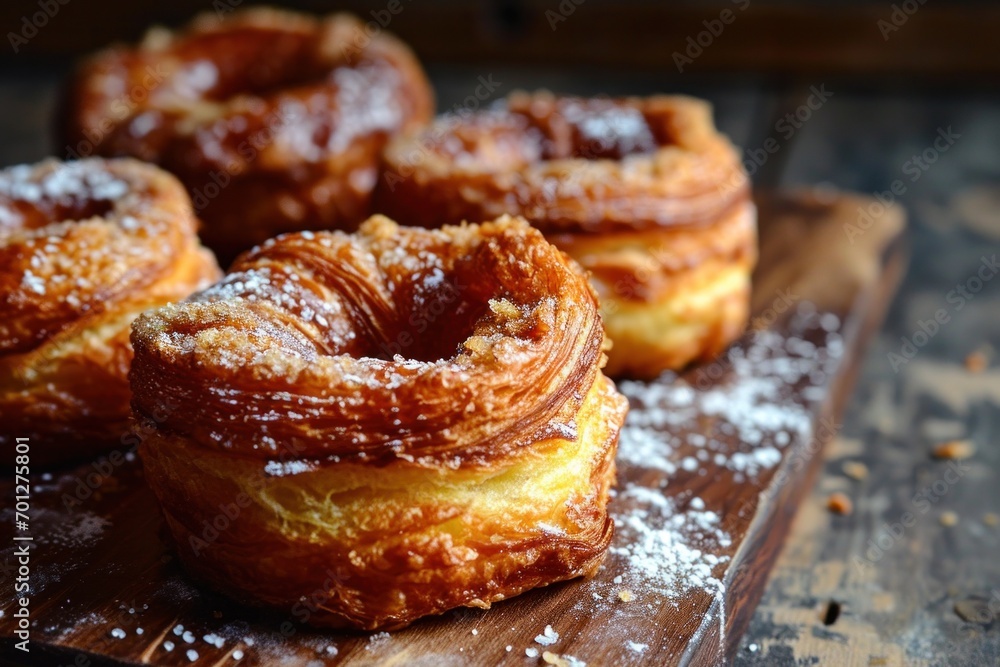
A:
[409, 421]
[274, 120]
[84, 248]
[644, 193]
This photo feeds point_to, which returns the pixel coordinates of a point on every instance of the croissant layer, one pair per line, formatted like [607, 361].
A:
[410, 420]
[273, 120]
[84, 248]
[645, 193]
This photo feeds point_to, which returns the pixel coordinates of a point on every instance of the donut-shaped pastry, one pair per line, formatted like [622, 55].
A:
[408, 420]
[84, 247]
[644, 193]
[274, 120]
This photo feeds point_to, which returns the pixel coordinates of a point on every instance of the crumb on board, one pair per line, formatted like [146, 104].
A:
[855, 470]
[948, 518]
[547, 637]
[991, 519]
[838, 503]
[976, 362]
[625, 595]
[954, 449]
[551, 658]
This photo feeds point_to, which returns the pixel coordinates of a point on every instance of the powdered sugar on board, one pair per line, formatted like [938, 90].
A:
[688, 423]
[728, 423]
[690, 449]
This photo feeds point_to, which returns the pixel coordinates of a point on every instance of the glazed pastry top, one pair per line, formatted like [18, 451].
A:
[441, 348]
[78, 237]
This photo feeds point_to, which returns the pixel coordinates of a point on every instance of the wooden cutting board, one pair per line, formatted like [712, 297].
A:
[711, 468]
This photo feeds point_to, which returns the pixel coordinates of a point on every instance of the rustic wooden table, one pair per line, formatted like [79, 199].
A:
[882, 585]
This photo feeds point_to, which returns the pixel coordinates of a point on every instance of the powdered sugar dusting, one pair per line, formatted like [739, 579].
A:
[61, 183]
[732, 418]
[75, 233]
[665, 550]
[82, 530]
[751, 400]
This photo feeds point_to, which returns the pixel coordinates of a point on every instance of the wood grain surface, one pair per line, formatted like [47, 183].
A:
[898, 592]
[712, 467]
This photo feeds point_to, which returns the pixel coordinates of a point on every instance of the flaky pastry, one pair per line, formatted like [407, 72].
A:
[644, 193]
[274, 120]
[84, 248]
[406, 420]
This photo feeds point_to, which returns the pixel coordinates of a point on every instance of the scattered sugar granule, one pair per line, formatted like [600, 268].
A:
[168, 646]
[509, 648]
[214, 639]
[475, 632]
[636, 647]
[377, 640]
[531, 652]
[33, 282]
[237, 654]
[118, 633]
[188, 637]
[139, 631]
[192, 655]
[548, 637]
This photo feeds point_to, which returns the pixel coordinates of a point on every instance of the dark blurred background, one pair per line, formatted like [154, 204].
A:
[919, 40]
[854, 95]
[900, 70]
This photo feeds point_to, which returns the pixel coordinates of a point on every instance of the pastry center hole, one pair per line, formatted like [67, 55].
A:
[22, 214]
[600, 129]
[245, 61]
[436, 315]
